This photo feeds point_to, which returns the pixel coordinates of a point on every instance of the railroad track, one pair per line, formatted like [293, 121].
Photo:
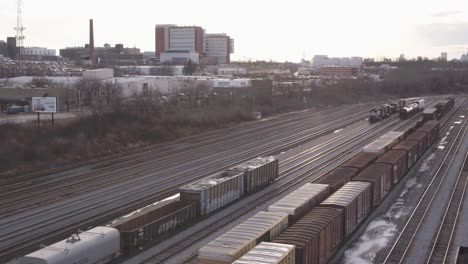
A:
[21, 246]
[295, 181]
[16, 198]
[405, 241]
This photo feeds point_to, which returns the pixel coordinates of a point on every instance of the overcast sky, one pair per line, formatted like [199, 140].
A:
[277, 30]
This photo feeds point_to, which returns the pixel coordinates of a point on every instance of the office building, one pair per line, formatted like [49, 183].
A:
[220, 47]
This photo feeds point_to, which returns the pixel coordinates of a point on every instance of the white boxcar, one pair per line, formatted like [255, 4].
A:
[264, 226]
[98, 245]
[269, 253]
[384, 143]
[258, 172]
[215, 191]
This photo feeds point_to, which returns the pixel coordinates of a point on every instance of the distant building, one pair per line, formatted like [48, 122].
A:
[106, 55]
[323, 60]
[3, 48]
[30, 51]
[464, 58]
[179, 57]
[11, 42]
[402, 57]
[211, 48]
[219, 46]
[443, 56]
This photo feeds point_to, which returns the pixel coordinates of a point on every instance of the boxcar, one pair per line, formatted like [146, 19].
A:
[380, 176]
[398, 159]
[337, 177]
[264, 226]
[421, 137]
[355, 198]
[360, 161]
[258, 172]
[215, 191]
[431, 114]
[412, 149]
[430, 131]
[301, 201]
[316, 236]
[152, 223]
[384, 143]
[269, 253]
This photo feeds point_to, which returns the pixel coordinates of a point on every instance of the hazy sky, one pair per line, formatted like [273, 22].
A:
[278, 30]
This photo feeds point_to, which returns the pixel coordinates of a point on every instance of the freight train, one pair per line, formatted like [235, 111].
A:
[148, 225]
[320, 215]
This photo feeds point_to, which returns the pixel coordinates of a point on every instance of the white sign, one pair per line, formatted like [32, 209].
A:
[44, 104]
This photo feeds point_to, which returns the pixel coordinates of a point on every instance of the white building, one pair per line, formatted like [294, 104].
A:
[443, 56]
[179, 57]
[36, 51]
[323, 60]
[219, 46]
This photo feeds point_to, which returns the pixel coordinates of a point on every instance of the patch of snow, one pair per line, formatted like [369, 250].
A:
[336, 131]
[425, 166]
[409, 183]
[457, 122]
[376, 237]
[441, 147]
[397, 210]
[462, 116]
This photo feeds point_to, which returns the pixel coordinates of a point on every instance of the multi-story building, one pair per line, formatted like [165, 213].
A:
[11, 42]
[443, 56]
[219, 46]
[36, 51]
[211, 48]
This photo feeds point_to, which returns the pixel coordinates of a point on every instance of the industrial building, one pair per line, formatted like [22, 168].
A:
[178, 44]
[107, 55]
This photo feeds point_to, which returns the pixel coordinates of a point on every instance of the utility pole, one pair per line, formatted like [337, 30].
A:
[19, 27]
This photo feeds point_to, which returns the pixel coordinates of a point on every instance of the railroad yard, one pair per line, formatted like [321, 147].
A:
[317, 177]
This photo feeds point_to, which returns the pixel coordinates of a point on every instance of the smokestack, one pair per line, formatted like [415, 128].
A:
[92, 55]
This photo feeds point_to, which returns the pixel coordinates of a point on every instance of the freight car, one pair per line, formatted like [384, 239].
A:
[214, 192]
[431, 114]
[97, 245]
[258, 172]
[153, 223]
[411, 109]
[444, 106]
[316, 236]
[262, 227]
[301, 201]
[398, 159]
[269, 253]
[380, 177]
[384, 143]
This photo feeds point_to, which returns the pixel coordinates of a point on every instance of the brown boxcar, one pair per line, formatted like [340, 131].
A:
[412, 149]
[432, 132]
[360, 161]
[316, 236]
[264, 226]
[356, 200]
[152, 223]
[337, 177]
[258, 172]
[214, 192]
[435, 124]
[269, 253]
[301, 201]
[398, 159]
[380, 176]
[421, 137]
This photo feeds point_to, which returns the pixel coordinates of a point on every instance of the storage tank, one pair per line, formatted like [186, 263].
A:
[98, 245]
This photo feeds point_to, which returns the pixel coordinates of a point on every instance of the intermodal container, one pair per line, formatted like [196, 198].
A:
[337, 177]
[215, 191]
[264, 226]
[380, 176]
[360, 161]
[398, 159]
[269, 253]
[258, 172]
[421, 137]
[316, 236]
[412, 149]
[301, 201]
[152, 223]
[356, 200]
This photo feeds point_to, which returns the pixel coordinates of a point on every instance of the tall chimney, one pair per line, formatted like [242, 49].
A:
[92, 55]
